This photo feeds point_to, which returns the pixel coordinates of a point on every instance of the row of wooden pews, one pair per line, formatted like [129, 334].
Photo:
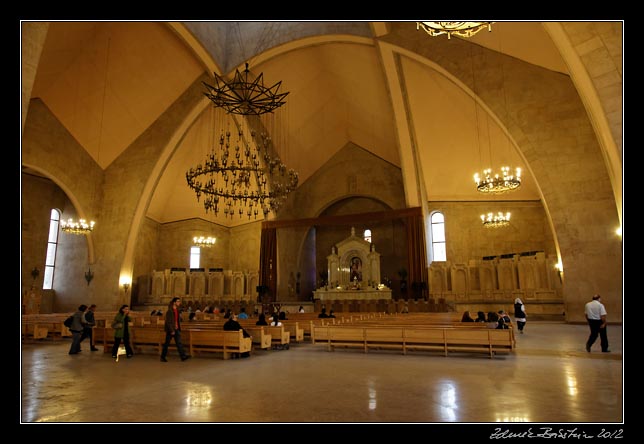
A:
[195, 340]
[420, 331]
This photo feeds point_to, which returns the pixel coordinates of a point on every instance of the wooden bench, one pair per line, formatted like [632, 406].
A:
[280, 337]
[259, 336]
[295, 331]
[147, 338]
[226, 342]
[490, 341]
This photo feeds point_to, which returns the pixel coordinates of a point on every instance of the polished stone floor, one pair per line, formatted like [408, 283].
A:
[549, 379]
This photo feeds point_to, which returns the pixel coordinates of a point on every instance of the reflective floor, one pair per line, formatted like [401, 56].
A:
[549, 379]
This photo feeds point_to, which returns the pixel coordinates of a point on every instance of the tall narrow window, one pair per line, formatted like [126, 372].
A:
[52, 245]
[367, 235]
[438, 237]
[195, 254]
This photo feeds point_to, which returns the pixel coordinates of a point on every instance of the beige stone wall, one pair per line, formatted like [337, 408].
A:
[544, 114]
[244, 247]
[353, 181]
[466, 237]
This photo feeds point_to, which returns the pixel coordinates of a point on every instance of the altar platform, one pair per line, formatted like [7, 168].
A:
[335, 295]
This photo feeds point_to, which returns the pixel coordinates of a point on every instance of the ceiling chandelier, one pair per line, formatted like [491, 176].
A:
[461, 29]
[495, 184]
[244, 174]
[204, 242]
[245, 97]
[495, 220]
[72, 227]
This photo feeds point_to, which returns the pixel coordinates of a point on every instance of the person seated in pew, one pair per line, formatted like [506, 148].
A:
[323, 313]
[153, 313]
[466, 317]
[276, 321]
[242, 313]
[480, 317]
[331, 315]
[261, 320]
[191, 316]
[301, 309]
[232, 325]
[503, 315]
[501, 324]
[282, 315]
[159, 312]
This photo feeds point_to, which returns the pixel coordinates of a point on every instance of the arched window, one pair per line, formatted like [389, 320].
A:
[367, 235]
[195, 255]
[52, 245]
[438, 236]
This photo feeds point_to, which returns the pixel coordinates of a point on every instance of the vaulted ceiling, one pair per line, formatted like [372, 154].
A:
[108, 81]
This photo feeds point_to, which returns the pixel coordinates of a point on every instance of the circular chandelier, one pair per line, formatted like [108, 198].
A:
[461, 29]
[495, 184]
[72, 227]
[242, 176]
[245, 96]
[204, 242]
[495, 220]
[245, 176]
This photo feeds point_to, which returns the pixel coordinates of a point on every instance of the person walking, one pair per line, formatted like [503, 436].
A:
[77, 329]
[172, 328]
[88, 327]
[121, 326]
[519, 314]
[596, 316]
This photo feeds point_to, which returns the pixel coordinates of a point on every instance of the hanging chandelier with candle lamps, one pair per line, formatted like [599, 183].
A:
[461, 29]
[242, 173]
[73, 227]
[498, 183]
[204, 242]
[497, 220]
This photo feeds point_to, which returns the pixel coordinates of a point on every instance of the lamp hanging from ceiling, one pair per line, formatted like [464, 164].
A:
[497, 220]
[204, 242]
[244, 174]
[490, 182]
[82, 227]
[73, 227]
[461, 29]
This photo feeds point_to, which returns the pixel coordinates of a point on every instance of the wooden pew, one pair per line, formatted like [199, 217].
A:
[295, 331]
[142, 337]
[280, 337]
[445, 339]
[222, 341]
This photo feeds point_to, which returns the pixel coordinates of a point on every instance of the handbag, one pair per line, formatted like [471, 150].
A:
[116, 325]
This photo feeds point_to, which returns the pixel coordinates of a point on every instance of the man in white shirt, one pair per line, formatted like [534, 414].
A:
[596, 316]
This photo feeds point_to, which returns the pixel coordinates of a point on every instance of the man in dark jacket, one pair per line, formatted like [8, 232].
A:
[172, 328]
[88, 327]
[77, 329]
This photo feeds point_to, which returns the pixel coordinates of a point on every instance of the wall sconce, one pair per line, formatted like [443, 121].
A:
[126, 286]
[89, 275]
[559, 268]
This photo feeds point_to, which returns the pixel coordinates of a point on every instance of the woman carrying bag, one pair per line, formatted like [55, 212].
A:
[122, 331]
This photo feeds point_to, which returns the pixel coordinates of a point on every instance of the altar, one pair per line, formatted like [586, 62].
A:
[337, 295]
[353, 270]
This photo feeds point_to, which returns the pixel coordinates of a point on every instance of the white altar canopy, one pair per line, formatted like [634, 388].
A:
[354, 271]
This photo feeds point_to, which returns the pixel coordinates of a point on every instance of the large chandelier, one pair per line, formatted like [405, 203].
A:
[204, 242]
[497, 220]
[461, 29]
[72, 227]
[245, 97]
[243, 176]
[498, 183]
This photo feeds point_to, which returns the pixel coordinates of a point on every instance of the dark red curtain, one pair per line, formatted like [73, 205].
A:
[416, 255]
[268, 260]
